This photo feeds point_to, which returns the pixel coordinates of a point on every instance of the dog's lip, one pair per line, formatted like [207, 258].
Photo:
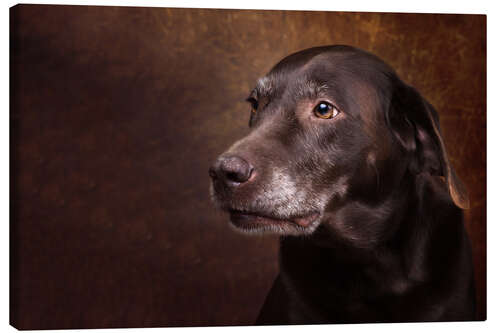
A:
[244, 217]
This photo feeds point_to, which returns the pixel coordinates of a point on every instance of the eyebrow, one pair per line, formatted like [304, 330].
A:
[307, 89]
[311, 89]
[263, 87]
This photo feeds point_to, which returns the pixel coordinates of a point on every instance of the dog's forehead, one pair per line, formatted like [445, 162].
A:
[326, 69]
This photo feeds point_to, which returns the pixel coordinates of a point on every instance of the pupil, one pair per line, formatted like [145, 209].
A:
[323, 108]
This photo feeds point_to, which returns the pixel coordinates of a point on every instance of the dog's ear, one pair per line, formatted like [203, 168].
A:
[415, 125]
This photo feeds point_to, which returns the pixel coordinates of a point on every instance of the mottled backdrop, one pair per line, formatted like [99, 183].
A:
[116, 114]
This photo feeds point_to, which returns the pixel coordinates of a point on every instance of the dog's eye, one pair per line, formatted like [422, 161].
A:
[325, 110]
[254, 103]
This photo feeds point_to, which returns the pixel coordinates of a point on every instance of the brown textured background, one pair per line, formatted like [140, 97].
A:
[116, 114]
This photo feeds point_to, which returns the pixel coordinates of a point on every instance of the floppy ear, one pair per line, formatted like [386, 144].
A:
[415, 125]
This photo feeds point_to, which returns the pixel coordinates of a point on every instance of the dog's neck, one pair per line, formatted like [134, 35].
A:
[366, 222]
[373, 233]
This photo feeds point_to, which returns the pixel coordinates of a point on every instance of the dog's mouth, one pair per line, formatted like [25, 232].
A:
[252, 220]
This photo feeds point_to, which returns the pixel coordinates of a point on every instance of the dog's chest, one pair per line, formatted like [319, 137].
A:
[322, 289]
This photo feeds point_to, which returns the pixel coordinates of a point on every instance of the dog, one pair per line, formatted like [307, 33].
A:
[347, 164]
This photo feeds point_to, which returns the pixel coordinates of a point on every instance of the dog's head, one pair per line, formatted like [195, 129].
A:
[328, 125]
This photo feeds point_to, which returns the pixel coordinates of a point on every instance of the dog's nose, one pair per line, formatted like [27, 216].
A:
[232, 170]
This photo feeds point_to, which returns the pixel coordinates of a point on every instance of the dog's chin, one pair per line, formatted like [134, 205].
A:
[257, 223]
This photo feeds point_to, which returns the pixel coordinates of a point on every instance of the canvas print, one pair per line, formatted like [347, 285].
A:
[206, 167]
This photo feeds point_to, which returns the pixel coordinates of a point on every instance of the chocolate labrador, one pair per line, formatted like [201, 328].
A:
[346, 162]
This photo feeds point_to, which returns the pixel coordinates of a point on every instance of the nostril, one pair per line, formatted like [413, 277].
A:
[212, 173]
[239, 177]
[233, 176]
